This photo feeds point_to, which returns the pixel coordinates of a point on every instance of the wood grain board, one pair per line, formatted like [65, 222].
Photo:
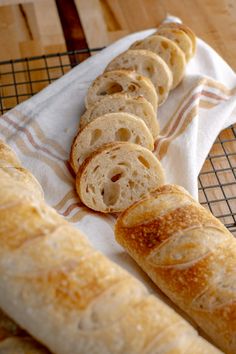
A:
[212, 20]
[33, 27]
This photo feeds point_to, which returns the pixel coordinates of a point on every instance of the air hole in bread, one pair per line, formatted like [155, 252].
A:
[121, 109]
[150, 70]
[95, 169]
[172, 59]
[111, 88]
[164, 45]
[125, 164]
[177, 40]
[91, 188]
[143, 161]
[135, 174]
[111, 193]
[137, 140]
[133, 87]
[95, 135]
[122, 134]
[160, 90]
[131, 184]
[116, 173]
[116, 177]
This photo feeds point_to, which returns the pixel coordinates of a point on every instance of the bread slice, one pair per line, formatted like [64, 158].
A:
[123, 81]
[180, 38]
[120, 102]
[148, 64]
[184, 28]
[170, 53]
[106, 129]
[117, 175]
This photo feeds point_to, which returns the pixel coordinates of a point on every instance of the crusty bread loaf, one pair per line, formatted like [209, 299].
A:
[116, 175]
[123, 81]
[120, 102]
[107, 129]
[168, 51]
[184, 28]
[180, 38]
[147, 64]
[189, 254]
[74, 299]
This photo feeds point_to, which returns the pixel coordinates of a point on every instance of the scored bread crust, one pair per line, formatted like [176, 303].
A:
[189, 254]
[147, 64]
[180, 38]
[116, 175]
[168, 51]
[184, 28]
[120, 102]
[107, 129]
[75, 300]
[123, 81]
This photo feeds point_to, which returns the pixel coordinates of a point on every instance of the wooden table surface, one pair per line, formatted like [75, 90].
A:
[35, 27]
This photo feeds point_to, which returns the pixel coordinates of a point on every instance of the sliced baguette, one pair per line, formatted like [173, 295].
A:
[168, 51]
[106, 129]
[117, 175]
[125, 81]
[184, 28]
[147, 64]
[120, 102]
[180, 38]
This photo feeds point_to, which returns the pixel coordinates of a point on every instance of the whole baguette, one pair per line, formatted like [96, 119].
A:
[189, 254]
[74, 299]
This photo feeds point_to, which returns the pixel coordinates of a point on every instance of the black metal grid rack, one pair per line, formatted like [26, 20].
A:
[22, 78]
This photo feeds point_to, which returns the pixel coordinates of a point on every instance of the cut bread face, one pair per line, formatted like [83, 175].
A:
[117, 175]
[180, 38]
[184, 28]
[109, 128]
[168, 51]
[148, 64]
[121, 81]
[119, 102]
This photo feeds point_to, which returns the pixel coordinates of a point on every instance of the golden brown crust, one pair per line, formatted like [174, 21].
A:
[143, 238]
[71, 297]
[189, 254]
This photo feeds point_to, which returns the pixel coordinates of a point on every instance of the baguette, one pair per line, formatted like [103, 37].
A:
[189, 254]
[107, 129]
[120, 102]
[184, 28]
[147, 64]
[180, 38]
[123, 81]
[74, 299]
[116, 175]
[168, 51]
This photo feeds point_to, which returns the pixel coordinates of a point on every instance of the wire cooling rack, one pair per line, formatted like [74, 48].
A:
[22, 78]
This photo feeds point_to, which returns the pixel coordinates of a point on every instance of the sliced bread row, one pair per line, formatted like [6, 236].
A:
[111, 155]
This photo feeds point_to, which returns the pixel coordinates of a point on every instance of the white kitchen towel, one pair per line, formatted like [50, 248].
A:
[41, 131]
